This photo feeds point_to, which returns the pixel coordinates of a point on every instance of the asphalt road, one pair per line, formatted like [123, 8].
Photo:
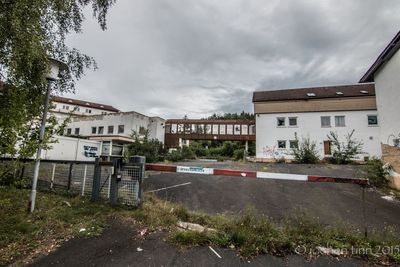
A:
[118, 247]
[329, 202]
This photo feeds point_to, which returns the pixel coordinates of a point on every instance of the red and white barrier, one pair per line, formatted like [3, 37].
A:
[253, 174]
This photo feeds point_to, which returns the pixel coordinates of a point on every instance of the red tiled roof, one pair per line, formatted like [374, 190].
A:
[340, 91]
[84, 103]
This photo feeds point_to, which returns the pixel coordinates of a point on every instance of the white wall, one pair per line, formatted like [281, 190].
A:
[309, 124]
[130, 120]
[68, 148]
[387, 87]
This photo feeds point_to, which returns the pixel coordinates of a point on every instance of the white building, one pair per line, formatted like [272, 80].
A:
[385, 73]
[315, 112]
[115, 129]
[63, 107]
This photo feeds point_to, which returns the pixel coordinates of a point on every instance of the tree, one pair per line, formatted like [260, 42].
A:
[152, 149]
[344, 152]
[30, 32]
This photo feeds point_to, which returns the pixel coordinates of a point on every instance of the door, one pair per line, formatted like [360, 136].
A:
[327, 148]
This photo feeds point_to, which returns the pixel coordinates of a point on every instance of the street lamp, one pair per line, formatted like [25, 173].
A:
[55, 67]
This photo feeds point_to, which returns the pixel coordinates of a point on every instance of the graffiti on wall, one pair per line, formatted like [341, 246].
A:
[273, 152]
[90, 151]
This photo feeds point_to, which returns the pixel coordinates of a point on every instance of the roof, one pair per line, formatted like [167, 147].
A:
[384, 57]
[208, 121]
[83, 103]
[341, 91]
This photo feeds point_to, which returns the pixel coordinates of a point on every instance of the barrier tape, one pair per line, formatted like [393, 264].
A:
[254, 174]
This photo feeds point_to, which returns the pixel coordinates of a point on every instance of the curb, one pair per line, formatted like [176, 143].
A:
[254, 174]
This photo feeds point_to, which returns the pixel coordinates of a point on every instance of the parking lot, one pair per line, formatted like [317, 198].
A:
[331, 203]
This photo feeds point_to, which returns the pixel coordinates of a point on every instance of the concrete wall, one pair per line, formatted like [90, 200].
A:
[387, 84]
[130, 120]
[68, 148]
[309, 124]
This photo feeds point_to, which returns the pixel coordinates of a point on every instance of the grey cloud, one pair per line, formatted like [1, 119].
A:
[196, 57]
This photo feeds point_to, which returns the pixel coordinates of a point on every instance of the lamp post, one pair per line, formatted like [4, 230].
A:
[52, 75]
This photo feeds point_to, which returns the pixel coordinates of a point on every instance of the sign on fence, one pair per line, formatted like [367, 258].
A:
[194, 170]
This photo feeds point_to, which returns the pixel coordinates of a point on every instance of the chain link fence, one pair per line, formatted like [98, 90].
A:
[78, 177]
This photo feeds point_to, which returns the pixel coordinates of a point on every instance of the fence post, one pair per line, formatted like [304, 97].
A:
[52, 176]
[70, 176]
[84, 180]
[96, 180]
[113, 189]
[142, 162]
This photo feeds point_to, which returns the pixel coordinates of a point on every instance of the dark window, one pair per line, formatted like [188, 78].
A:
[167, 128]
[93, 130]
[293, 143]
[325, 121]
[90, 111]
[69, 131]
[339, 121]
[372, 120]
[121, 129]
[101, 130]
[76, 131]
[281, 144]
[110, 129]
[292, 121]
[142, 130]
[280, 122]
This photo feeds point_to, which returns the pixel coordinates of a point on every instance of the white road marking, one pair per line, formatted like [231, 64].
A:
[168, 187]
[215, 252]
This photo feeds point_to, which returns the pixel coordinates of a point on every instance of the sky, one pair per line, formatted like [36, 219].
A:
[173, 58]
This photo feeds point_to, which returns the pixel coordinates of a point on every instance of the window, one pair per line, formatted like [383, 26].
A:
[121, 129]
[93, 130]
[237, 129]
[142, 130]
[90, 111]
[281, 144]
[76, 131]
[244, 129]
[100, 130]
[110, 129]
[292, 121]
[293, 143]
[69, 131]
[339, 121]
[280, 122]
[372, 120]
[222, 129]
[325, 121]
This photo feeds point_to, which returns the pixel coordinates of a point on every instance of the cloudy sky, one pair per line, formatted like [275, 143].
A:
[197, 57]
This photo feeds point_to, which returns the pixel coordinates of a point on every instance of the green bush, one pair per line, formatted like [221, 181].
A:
[174, 156]
[187, 153]
[305, 151]
[376, 173]
[344, 152]
[238, 154]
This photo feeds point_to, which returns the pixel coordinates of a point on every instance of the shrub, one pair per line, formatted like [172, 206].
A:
[344, 152]
[187, 153]
[174, 155]
[238, 154]
[152, 149]
[376, 173]
[305, 151]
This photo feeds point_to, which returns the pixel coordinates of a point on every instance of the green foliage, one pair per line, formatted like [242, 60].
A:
[232, 116]
[152, 149]
[53, 222]
[344, 152]
[376, 173]
[32, 31]
[305, 151]
[238, 154]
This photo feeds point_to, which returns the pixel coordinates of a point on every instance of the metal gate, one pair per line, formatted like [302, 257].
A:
[126, 182]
